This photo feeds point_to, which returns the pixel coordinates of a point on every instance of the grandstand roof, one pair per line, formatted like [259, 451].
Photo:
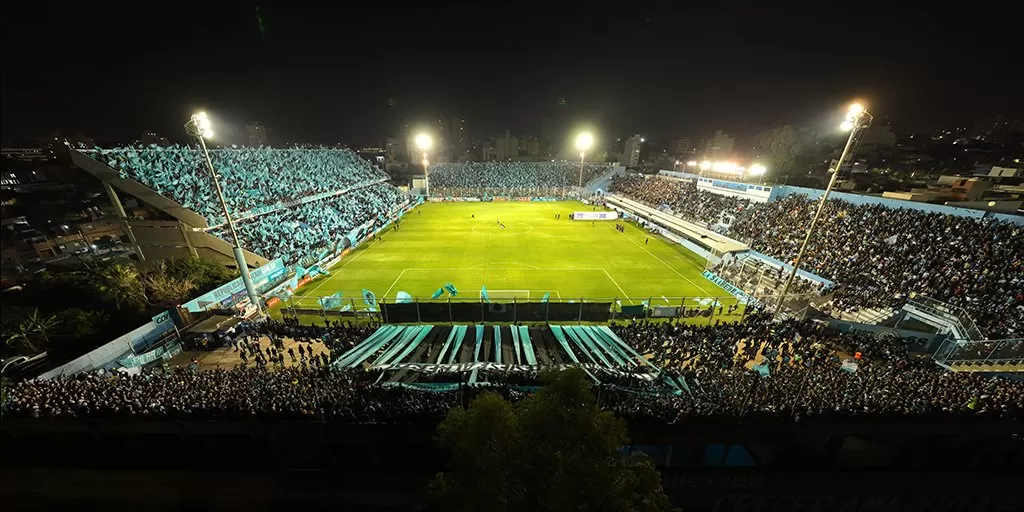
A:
[717, 243]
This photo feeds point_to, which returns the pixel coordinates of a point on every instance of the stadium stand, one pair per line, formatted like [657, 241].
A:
[500, 178]
[289, 203]
[877, 256]
[708, 371]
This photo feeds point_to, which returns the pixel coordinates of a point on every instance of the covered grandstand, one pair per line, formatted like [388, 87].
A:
[287, 203]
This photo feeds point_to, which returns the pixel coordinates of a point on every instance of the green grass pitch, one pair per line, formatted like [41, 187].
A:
[534, 254]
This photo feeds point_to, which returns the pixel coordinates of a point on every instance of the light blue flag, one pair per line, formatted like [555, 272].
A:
[762, 370]
[452, 291]
[403, 298]
[369, 298]
[545, 297]
[300, 271]
[483, 294]
[438, 293]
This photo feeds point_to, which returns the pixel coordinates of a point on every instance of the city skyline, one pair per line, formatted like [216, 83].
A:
[354, 76]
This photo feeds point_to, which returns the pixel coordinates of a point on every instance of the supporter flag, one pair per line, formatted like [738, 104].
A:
[850, 366]
[369, 298]
[891, 240]
[300, 271]
[547, 295]
[762, 370]
[972, 404]
[452, 291]
[483, 294]
[293, 283]
[403, 298]
[438, 293]
[332, 302]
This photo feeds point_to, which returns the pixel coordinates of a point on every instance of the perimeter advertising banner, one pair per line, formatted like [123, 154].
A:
[595, 215]
[231, 292]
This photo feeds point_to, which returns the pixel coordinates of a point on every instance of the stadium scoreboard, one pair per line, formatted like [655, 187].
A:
[595, 215]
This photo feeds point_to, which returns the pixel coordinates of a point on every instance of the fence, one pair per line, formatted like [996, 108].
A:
[951, 313]
[555, 309]
[984, 352]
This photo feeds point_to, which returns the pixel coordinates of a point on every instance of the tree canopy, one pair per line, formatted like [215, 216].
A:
[555, 450]
[780, 146]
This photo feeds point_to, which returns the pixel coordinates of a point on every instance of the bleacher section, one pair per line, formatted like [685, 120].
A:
[539, 179]
[877, 251]
[287, 203]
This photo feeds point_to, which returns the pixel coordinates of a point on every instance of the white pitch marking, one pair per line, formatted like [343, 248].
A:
[701, 288]
[624, 294]
[394, 283]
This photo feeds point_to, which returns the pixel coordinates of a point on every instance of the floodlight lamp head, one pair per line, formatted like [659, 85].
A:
[423, 141]
[584, 141]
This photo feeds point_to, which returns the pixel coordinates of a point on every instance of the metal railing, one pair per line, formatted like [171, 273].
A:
[984, 352]
[706, 310]
[956, 315]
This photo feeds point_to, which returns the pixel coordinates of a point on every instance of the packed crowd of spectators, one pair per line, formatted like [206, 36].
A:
[876, 255]
[804, 370]
[294, 393]
[499, 178]
[251, 177]
[276, 180]
[806, 375]
[304, 230]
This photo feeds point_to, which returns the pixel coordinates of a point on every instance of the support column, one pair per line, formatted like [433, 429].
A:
[119, 208]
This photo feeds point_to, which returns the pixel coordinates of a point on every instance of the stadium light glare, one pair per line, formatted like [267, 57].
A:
[643, 139]
[584, 141]
[856, 108]
[423, 141]
[846, 126]
[757, 170]
[705, 165]
[691, 163]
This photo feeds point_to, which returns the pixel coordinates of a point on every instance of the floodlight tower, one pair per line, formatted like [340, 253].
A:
[857, 119]
[423, 141]
[200, 127]
[583, 143]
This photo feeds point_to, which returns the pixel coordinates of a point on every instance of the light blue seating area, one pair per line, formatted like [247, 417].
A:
[540, 178]
[288, 203]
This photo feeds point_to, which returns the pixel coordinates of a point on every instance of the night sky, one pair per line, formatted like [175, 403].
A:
[325, 75]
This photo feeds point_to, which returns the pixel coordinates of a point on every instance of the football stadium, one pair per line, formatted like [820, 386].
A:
[363, 304]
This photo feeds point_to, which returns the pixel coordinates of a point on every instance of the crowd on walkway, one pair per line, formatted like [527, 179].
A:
[535, 178]
[876, 255]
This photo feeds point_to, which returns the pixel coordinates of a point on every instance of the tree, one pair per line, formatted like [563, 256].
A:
[205, 274]
[780, 147]
[166, 290]
[556, 450]
[33, 334]
[122, 285]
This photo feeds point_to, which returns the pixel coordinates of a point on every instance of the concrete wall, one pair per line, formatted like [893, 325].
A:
[107, 355]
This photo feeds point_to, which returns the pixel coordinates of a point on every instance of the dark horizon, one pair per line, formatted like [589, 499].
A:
[326, 75]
